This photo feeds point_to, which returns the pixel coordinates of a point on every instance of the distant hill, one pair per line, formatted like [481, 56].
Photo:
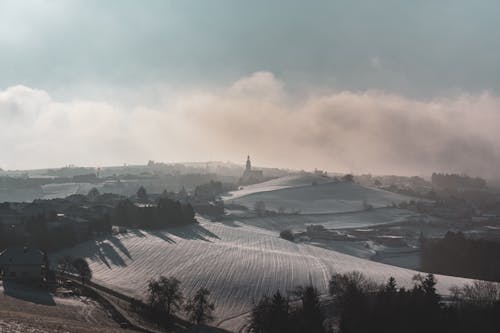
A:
[296, 193]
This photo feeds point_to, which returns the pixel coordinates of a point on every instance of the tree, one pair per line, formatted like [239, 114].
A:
[65, 264]
[259, 317]
[199, 308]
[260, 208]
[390, 287]
[479, 292]
[142, 195]
[427, 286]
[348, 178]
[310, 316]
[93, 194]
[165, 295]
[188, 213]
[271, 315]
[341, 285]
[287, 234]
[82, 269]
[279, 313]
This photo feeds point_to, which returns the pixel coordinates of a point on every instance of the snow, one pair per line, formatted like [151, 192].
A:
[241, 259]
[330, 197]
[52, 191]
[35, 310]
[295, 180]
[12, 326]
[237, 263]
[298, 222]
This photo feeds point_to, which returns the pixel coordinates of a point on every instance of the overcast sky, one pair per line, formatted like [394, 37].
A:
[364, 86]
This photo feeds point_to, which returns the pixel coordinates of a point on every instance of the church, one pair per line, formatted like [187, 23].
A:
[251, 176]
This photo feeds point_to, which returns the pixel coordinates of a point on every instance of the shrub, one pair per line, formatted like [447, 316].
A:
[287, 234]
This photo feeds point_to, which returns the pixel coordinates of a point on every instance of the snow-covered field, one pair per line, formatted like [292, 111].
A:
[241, 259]
[327, 197]
[298, 222]
[294, 180]
[25, 310]
[51, 191]
[238, 263]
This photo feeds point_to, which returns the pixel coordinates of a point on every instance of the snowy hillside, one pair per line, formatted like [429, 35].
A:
[329, 197]
[238, 263]
[27, 310]
[298, 222]
[294, 180]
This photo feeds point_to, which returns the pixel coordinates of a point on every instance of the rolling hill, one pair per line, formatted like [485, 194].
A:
[237, 262]
[297, 194]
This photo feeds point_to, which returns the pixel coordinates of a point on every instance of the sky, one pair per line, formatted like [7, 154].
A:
[400, 87]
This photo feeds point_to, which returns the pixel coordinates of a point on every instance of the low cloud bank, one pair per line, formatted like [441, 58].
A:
[366, 131]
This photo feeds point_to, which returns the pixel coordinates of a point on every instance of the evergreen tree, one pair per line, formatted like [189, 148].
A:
[259, 318]
[390, 287]
[279, 314]
[142, 195]
[310, 316]
[93, 194]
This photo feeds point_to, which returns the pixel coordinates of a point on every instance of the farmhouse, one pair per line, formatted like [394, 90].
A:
[24, 264]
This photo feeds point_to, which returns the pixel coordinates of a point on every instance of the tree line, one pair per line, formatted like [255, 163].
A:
[360, 305]
[453, 181]
[276, 314]
[165, 300]
[40, 231]
[166, 213]
[460, 256]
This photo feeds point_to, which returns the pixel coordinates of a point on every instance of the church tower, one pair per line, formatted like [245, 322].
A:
[251, 176]
[249, 164]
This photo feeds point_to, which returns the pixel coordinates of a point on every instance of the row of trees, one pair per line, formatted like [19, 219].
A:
[166, 213]
[460, 256]
[453, 181]
[37, 233]
[165, 299]
[277, 314]
[366, 307]
[360, 305]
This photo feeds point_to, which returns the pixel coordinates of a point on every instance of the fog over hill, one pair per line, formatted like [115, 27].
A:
[368, 131]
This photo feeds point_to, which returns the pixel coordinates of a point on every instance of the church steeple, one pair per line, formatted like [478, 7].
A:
[249, 164]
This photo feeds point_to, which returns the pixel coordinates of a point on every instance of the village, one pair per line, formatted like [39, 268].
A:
[30, 232]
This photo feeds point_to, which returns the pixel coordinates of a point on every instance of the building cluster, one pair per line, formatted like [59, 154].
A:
[76, 212]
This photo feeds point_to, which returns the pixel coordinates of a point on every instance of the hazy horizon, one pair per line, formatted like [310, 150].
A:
[385, 88]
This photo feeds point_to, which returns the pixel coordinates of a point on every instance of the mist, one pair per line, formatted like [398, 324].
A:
[346, 131]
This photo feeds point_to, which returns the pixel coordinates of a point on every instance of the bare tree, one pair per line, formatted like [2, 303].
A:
[165, 295]
[199, 308]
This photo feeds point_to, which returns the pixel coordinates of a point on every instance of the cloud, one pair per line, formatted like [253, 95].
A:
[369, 131]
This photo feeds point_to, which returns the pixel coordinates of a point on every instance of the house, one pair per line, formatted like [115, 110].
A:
[24, 264]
